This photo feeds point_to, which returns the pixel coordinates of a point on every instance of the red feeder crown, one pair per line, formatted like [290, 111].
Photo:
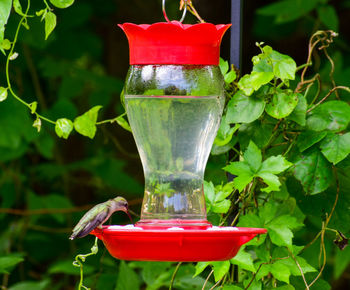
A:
[174, 43]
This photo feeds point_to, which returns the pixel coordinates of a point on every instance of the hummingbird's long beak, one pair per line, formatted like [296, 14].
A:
[126, 210]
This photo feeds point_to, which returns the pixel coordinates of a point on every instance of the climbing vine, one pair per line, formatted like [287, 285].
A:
[84, 124]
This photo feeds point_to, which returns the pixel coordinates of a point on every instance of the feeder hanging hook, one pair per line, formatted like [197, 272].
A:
[183, 14]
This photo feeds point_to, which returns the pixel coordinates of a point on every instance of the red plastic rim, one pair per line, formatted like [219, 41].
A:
[175, 244]
[174, 43]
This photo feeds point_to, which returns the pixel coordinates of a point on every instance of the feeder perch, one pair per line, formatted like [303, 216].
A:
[174, 98]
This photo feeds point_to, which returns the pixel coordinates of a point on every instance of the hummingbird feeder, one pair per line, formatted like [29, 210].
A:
[174, 98]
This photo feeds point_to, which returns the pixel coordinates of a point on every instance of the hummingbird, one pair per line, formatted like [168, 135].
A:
[98, 215]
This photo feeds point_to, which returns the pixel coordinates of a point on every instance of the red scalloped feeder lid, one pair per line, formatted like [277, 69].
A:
[174, 244]
[174, 43]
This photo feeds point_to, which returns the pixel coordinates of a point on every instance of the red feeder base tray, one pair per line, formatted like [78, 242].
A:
[174, 244]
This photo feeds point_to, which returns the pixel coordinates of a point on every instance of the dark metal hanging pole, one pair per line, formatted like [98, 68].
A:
[236, 33]
[235, 59]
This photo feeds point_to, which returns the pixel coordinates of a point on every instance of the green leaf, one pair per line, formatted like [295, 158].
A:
[328, 16]
[86, 123]
[295, 271]
[286, 220]
[277, 64]
[50, 23]
[3, 94]
[32, 285]
[62, 3]
[313, 171]
[18, 8]
[237, 168]
[5, 44]
[285, 287]
[336, 147]
[282, 105]
[264, 271]
[5, 9]
[250, 220]
[200, 266]
[308, 138]
[63, 127]
[8, 262]
[280, 235]
[280, 272]
[271, 180]
[231, 287]
[225, 133]
[223, 191]
[245, 175]
[275, 164]
[40, 12]
[224, 66]
[220, 269]
[279, 230]
[221, 206]
[244, 109]
[332, 115]
[271, 166]
[259, 132]
[241, 181]
[33, 106]
[253, 157]
[156, 274]
[209, 192]
[284, 67]
[288, 10]
[230, 77]
[250, 83]
[37, 124]
[123, 123]
[268, 211]
[243, 260]
[299, 113]
[127, 278]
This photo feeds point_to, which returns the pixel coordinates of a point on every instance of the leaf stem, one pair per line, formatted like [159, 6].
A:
[110, 120]
[174, 275]
[206, 280]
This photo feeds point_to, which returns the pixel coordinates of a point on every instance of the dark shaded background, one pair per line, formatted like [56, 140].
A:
[83, 64]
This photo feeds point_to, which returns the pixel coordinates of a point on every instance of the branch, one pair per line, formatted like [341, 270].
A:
[300, 269]
[206, 280]
[25, 212]
[329, 93]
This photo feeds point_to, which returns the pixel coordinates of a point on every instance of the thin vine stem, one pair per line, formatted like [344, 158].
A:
[7, 72]
[206, 280]
[328, 94]
[8, 59]
[80, 259]
[299, 267]
[174, 275]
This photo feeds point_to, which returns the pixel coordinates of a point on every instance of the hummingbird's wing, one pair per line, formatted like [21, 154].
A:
[91, 220]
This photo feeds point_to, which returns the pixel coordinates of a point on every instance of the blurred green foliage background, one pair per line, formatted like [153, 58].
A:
[46, 183]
